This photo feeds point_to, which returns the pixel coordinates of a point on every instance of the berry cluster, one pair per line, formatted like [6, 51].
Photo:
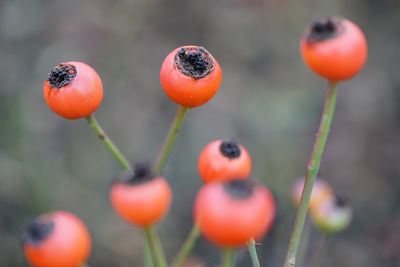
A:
[231, 210]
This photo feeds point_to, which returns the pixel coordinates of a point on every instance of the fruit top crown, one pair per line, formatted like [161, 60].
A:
[142, 172]
[239, 189]
[37, 231]
[230, 149]
[195, 62]
[61, 75]
[322, 29]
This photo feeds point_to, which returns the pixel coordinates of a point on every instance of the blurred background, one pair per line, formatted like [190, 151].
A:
[268, 100]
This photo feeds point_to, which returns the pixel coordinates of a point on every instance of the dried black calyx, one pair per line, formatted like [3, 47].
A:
[230, 149]
[142, 172]
[323, 29]
[239, 188]
[341, 202]
[195, 62]
[37, 231]
[61, 75]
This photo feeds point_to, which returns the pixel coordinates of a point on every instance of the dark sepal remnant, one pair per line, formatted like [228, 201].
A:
[37, 232]
[239, 188]
[61, 75]
[142, 172]
[323, 29]
[230, 149]
[341, 202]
[195, 62]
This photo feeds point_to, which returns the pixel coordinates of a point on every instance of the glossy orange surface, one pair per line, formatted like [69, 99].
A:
[214, 166]
[227, 221]
[340, 57]
[142, 204]
[186, 90]
[68, 244]
[78, 99]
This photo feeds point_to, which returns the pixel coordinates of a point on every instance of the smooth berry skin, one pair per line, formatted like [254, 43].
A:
[213, 166]
[142, 204]
[230, 222]
[68, 245]
[338, 58]
[185, 90]
[80, 97]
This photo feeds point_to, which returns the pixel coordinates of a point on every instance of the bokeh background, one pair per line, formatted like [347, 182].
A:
[268, 100]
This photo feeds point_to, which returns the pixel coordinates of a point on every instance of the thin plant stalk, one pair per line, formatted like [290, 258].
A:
[319, 251]
[170, 139]
[124, 163]
[148, 256]
[311, 173]
[95, 126]
[187, 246]
[228, 257]
[155, 246]
[253, 253]
[302, 254]
[151, 233]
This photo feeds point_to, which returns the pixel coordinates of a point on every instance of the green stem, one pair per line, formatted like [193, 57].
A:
[319, 251]
[302, 254]
[170, 140]
[187, 246]
[253, 253]
[155, 246]
[312, 170]
[150, 232]
[228, 257]
[148, 257]
[95, 126]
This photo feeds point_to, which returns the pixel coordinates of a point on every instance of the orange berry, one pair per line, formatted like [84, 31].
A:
[332, 215]
[141, 198]
[57, 239]
[321, 192]
[73, 90]
[231, 213]
[335, 48]
[223, 160]
[190, 76]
